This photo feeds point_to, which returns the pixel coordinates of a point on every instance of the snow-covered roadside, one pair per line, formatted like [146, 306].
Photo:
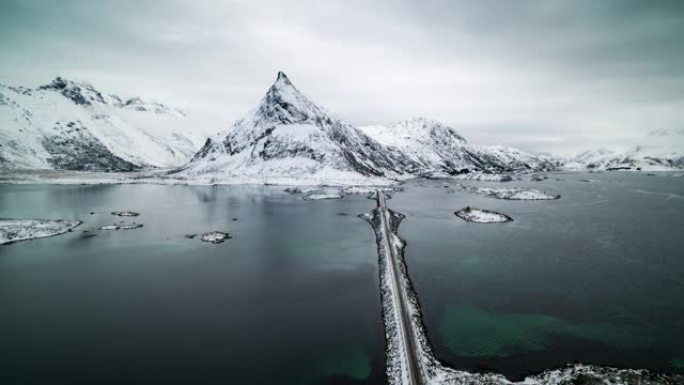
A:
[14, 230]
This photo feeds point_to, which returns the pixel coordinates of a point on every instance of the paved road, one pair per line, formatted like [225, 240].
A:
[405, 326]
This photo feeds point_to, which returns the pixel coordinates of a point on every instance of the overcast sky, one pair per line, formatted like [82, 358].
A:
[545, 75]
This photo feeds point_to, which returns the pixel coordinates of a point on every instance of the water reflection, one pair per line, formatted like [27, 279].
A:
[294, 289]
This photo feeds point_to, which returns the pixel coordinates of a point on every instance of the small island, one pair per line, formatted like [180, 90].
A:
[471, 214]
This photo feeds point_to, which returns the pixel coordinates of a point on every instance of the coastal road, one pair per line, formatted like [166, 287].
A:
[400, 298]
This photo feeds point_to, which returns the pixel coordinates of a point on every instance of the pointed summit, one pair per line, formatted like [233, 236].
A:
[285, 104]
[282, 76]
[282, 84]
[81, 93]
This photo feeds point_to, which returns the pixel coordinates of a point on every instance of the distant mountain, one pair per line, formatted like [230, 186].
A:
[441, 151]
[289, 137]
[71, 125]
[646, 158]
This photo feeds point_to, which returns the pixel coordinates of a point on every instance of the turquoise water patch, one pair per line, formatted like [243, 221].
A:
[353, 363]
[678, 363]
[472, 332]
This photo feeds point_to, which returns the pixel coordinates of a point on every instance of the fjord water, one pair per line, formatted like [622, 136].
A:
[293, 298]
[595, 277]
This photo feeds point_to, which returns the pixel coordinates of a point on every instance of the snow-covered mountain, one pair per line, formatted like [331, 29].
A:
[71, 125]
[646, 158]
[287, 136]
[440, 150]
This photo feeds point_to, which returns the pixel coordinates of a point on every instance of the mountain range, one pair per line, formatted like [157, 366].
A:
[71, 125]
[288, 136]
[645, 158]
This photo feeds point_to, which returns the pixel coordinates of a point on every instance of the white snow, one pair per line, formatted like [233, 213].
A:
[484, 177]
[288, 137]
[215, 237]
[321, 196]
[482, 216]
[440, 151]
[122, 226]
[367, 189]
[510, 193]
[147, 134]
[661, 157]
[14, 230]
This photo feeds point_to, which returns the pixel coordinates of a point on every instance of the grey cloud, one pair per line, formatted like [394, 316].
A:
[498, 70]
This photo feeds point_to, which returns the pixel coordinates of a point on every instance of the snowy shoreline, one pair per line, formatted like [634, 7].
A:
[16, 230]
[162, 177]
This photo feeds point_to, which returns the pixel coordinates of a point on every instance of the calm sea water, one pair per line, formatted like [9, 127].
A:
[293, 298]
[595, 277]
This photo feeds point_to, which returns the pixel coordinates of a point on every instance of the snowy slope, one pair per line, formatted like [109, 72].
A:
[71, 125]
[289, 137]
[439, 149]
[646, 158]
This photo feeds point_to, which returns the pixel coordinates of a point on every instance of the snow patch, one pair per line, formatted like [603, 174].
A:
[511, 193]
[122, 226]
[214, 237]
[321, 196]
[470, 214]
[484, 177]
[15, 230]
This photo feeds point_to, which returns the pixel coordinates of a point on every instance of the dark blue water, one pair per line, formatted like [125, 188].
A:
[595, 277]
[291, 299]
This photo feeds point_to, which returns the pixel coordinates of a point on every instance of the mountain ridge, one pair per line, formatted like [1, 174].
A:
[71, 125]
[287, 135]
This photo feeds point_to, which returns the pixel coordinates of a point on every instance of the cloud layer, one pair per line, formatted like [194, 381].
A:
[547, 76]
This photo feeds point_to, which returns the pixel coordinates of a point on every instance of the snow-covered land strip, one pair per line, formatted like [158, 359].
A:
[484, 177]
[410, 358]
[403, 364]
[470, 214]
[122, 226]
[14, 230]
[510, 193]
[162, 177]
[322, 196]
[368, 189]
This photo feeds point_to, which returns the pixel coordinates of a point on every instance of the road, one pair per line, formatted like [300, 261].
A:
[405, 326]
